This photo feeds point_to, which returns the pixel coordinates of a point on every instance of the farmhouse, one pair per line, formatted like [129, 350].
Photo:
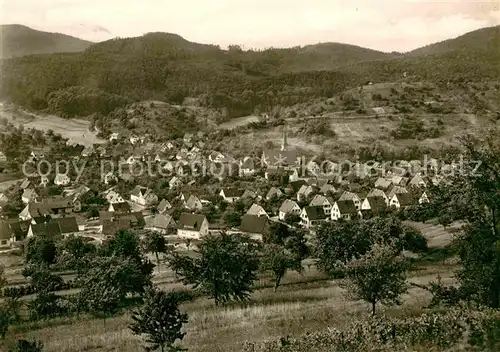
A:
[163, 206]
[257, 210]
[143, 196]
[325, 202]
[274, 192]
[161, 223]
[254, 226]
[122, 207]
[312, 215]
[344, 209]
[352, 197]
[192, 226]
[288, 207]
[193, 203]
[376, 205]
[231, 195]
[402, 200]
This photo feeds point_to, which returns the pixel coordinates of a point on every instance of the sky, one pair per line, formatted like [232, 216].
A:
[386, 25]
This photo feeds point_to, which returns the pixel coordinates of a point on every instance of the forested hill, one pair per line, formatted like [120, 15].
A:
[17, 40]
[167, 67]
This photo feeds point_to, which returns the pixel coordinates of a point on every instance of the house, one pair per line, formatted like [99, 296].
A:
[113, 197]
[4, 200]
[312, 215]
[114, 136]
[383, 183]
[377, 205]
[19, 230]
[231, 195]
[193, 203]
[325, 202]
[110, 178]
[274, 173]
[54, 228]
[26, 184]
[247, 167]
[313, 168]
[163, 206]
[418, 181]
[122, 207]
[174, 182]
[304, 192]
[351, 196]
[327, 188]
[375, 192]
[288, 207]
[34, 210]
[29, 195]
[257, 210]
[161, 223]
[111, 223]
[399, 180]
[256, 227]
[62, 180]
[249, 194]
[274, 192]
[402, 200]
[5, 235]
[192, 226]
[395, 190]
[294, 186]
[143, 196]
[61, 205]
[344, 209]
[423, 198]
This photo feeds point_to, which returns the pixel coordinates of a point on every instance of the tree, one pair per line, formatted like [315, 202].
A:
[42, 279]
[107, 281]
[46, 305]
[292, 219]
[160, 319]
[279, 260]
[155, 243]
[3, 280]
[40, 250]
[224, 268]
[378, 276]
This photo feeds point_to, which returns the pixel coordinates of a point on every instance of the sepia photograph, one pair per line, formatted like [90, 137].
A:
[234, 176]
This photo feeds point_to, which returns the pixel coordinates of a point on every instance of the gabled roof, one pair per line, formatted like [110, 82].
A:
[35, 210]
[346, 207]
[348, 196]
[123, 207]
[249, 194]
[49, 229]
[406, 199]
[192, 202]
[254, 224]
[296, 185]
[255, 209]
[67, 225]
[375, 192]
[164, 206]
[248, 164]
[57, 202]
[29, 193]
[377, 204]
[382, 183]
[274, 192]
[191, 222]
[232, 192]
[161, 221]
[287, 206]
[315, 212]
[138, 191]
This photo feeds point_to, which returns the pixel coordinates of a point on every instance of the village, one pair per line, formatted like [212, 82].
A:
[243, 196]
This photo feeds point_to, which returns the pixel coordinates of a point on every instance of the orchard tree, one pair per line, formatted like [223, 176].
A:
[40, 250]
[378, 276]
[160, 319]
[279, 260]
[28, 346]
[224, 267]
[155, 243]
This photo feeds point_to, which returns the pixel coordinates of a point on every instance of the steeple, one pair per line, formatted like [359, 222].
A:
[284, 143]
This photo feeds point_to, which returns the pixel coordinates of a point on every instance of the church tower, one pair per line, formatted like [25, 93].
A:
[284, 143]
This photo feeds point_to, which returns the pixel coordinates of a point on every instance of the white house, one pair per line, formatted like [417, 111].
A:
[344, 209]
[29, 195]
[192, 226]
[288, 207]
[193, 203]
[62, 180]
[418, 181]
[113, 197]
[247, 167]
[273, 192]
[325, 202]
[114, 136]
[375, 204]
[378, 193]
[402, 200]
[257, 210]
[143, 196]
[161, 223]
[311, 216]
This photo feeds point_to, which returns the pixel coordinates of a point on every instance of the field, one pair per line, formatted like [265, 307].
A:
[304, 303]
[73, 129]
